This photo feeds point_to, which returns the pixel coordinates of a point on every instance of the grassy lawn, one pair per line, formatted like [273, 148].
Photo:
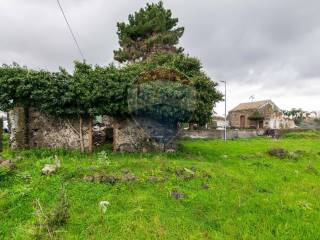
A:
[250, 195]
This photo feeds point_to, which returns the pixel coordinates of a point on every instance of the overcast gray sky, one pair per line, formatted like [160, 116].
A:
[269, 49]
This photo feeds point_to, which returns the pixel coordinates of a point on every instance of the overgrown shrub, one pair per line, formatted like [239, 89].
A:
[48, 223]
[4, 171]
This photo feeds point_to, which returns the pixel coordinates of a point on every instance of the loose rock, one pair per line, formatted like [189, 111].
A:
[88, 178]
[129, 177]
[8, 164]
[51, 168]
[205, 186]
[100, 178]
[154, 179]
[278, 152]
[177, 195]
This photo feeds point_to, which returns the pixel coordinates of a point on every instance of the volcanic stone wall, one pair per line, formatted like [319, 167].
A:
[141, 135]
[53, 132]
[32, 128]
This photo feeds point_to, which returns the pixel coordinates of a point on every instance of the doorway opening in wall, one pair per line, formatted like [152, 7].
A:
[102, 130]
[242, 121]
[260, 125]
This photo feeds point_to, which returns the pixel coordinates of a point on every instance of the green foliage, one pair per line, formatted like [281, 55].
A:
[206, 94]
[48, 224]
[256, 116]
[18, 85]
[165, 101]
[88, 91]
[296, 114]
[149, 30]
[59, 215]
[207, 97]
[4, 171]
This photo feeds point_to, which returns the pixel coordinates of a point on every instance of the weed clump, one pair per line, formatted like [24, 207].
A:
[282, 153]
[312, 169]
[278, 152]
[48, 223]
[177, 195]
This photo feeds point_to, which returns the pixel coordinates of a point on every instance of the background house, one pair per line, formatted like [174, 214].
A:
[259, 115]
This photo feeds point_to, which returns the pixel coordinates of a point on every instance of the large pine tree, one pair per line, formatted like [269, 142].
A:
[150, 30]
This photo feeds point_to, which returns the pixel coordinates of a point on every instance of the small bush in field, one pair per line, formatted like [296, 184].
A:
[47, 224]
[59, 215]
[278, 152]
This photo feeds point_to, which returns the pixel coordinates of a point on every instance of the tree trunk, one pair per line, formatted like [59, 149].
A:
[90, 135]
[81, 134]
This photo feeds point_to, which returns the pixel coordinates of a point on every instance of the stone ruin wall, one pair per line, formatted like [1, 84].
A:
[53, 132]
[31, 128]
[18, 128]
[131, 136]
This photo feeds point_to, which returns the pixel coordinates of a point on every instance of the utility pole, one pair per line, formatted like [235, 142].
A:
[225, 109]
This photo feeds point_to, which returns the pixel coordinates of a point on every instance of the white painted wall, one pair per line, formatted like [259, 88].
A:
[3, 115]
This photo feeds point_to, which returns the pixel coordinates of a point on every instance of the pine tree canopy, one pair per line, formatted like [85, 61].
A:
[150, 30]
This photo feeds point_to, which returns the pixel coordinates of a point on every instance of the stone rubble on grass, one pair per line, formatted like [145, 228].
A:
[282, 153]
[154, 179]
[7, 164]
[101, 178]
[170, 150]
[88, 178]
[205, 186]
[206, 174]
[185, 173]
[278, 152]
[129, 177]
[177, 195]
[51, 168]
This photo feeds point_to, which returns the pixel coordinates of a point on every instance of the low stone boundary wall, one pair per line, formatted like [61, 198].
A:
[219, 134]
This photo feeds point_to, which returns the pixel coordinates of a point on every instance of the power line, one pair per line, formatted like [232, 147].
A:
[70, 29]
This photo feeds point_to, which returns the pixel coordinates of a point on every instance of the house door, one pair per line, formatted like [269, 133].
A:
[260, 124]
[242, 121]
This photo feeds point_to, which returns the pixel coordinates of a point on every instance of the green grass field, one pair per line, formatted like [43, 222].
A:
[250, 196]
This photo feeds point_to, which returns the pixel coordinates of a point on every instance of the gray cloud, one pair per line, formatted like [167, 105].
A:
[266, 48]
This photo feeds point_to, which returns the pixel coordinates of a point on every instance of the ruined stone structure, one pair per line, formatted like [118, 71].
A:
[142, 135]
[32, 128]
[102, 130]
[17, 118]
[259, 115]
